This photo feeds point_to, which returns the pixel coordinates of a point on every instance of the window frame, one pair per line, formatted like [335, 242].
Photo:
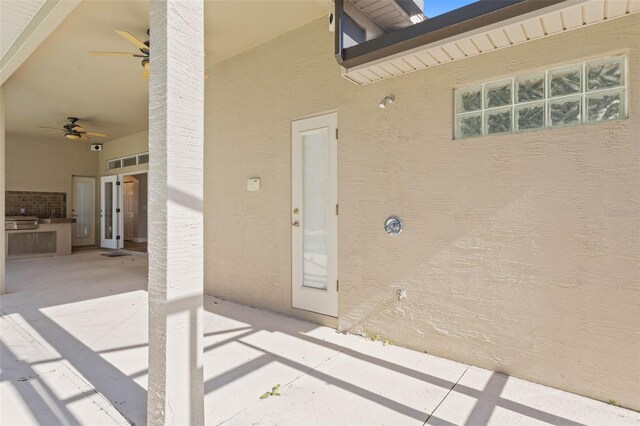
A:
[120, 161]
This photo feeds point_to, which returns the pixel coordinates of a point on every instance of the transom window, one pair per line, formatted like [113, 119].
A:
[582, 93]
[133, 160]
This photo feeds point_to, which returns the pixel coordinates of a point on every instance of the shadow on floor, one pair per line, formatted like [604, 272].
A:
[68, 283]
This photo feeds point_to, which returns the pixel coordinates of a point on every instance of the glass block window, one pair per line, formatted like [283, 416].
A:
[588, 92]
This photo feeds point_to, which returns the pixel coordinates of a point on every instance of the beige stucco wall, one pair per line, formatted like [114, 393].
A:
[136, 143]
[46, 164]
[520, 252]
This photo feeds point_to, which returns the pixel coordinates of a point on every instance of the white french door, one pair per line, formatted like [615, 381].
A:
[130, 208]
[314, 220]
[109, 211]
[84, 211]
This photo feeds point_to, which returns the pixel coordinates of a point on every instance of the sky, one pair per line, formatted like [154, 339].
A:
[434, 8]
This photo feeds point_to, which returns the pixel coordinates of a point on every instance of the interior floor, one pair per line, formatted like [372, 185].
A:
[133, 246]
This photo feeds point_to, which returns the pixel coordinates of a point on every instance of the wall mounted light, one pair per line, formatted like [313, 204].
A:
[387, 100]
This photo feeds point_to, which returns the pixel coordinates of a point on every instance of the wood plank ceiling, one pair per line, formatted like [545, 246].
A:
[15, 15]
[388, 15]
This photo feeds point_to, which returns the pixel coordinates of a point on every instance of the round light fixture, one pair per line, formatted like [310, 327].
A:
[72, 136]
[387, 100]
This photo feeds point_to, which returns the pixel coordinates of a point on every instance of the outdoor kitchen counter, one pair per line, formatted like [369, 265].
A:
[49, 239]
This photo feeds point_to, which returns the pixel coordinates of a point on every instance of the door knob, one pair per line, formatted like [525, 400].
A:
[296, 224]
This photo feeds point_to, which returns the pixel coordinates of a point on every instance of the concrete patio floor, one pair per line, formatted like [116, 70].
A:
[74, 351]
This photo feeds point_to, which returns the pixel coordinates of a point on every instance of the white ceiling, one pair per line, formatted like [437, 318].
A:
[61, 79]
[15, 15]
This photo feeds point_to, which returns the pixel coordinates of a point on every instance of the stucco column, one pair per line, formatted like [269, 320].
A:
[176, 133]
[2, 241]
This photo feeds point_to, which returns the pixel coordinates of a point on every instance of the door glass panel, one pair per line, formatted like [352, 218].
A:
[108, 210]
[314, 224]
[83, 209]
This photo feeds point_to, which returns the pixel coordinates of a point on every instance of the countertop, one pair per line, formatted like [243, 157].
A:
[58, 220]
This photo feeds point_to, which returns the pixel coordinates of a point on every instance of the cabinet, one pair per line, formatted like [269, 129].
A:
[30, 243]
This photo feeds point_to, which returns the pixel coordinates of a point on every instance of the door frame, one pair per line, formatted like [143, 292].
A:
[128, 234]
[121, 201]
[112, 243]
[320, 301]
[92, 238]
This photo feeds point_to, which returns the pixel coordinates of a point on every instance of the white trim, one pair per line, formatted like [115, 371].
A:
[138, 163]
[423, 57]
[91, 239]
[51, 15]
[323, 301]
[121, 177]
[111, 243]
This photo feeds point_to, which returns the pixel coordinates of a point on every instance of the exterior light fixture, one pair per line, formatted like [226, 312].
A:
[387, 100]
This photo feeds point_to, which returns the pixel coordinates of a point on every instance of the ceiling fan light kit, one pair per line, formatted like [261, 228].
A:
[143, 46]
[145, 49]
[73, 131]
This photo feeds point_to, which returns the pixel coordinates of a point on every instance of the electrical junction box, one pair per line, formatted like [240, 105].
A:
[253, 184]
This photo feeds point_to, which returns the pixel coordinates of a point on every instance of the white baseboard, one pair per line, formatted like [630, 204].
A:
[139, 240]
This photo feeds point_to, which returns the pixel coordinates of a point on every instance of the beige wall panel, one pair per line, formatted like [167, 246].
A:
[47, 165]
[136, 143]
[520, 252]
[249, 104]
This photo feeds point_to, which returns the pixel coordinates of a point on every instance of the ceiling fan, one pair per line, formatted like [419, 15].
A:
[143, 46]
[73, 131]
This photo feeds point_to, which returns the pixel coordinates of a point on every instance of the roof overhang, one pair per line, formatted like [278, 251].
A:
[478, 28]
[27, 34]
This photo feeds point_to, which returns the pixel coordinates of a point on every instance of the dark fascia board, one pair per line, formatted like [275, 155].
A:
[467, 18]
[410, 7]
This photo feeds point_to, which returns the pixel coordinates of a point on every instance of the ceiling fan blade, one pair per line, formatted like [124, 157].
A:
[78, 129]
[97, 53]
[131, 39]
[46, 127]
[145, 73]
[98, 134]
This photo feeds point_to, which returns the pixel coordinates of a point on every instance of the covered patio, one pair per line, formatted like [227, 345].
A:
[75, 342]
[518, 252]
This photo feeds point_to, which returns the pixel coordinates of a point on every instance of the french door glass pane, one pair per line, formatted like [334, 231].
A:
[314, 224]
[108, 210]
[83, 209]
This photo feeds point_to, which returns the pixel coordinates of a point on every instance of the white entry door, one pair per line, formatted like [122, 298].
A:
[314, 220]
[84, 211]
[109, 210]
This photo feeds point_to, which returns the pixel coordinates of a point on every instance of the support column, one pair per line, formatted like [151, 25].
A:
[2, 172]
[176, 133]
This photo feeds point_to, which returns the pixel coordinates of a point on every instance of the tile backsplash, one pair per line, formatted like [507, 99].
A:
[40, 204]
